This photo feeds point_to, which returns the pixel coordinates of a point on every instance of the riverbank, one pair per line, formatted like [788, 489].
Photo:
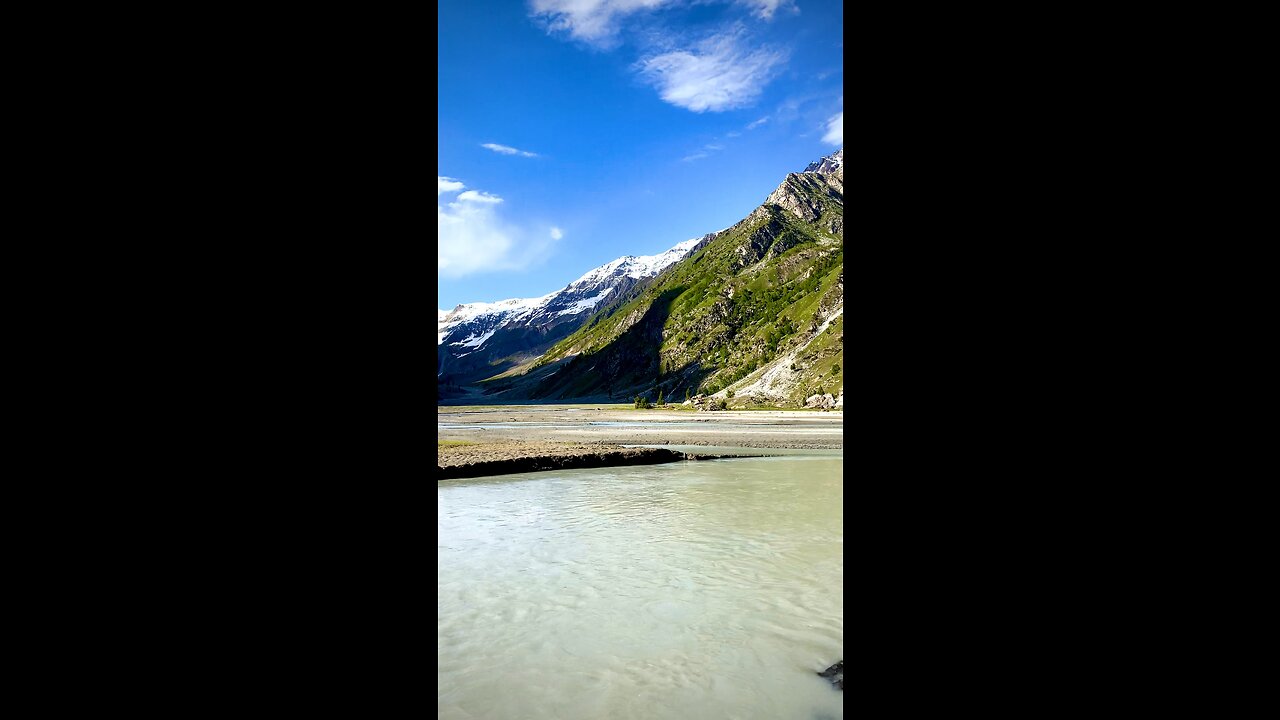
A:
[622, 425]
[501, 458]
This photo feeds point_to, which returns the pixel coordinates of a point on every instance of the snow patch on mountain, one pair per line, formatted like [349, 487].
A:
[490, 317]
[829, 164]
[471, 311]
[637, 267]
[648, 265]
[474, 340]
[586, 303]
[508, 310]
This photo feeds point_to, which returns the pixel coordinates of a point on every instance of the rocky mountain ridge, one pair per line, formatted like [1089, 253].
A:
[752, 315]
[476, 340]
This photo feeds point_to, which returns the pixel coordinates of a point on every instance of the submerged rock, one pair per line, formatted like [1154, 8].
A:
[835, 674]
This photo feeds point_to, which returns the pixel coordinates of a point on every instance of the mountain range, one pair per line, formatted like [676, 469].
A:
[752, 314]
[477, 340]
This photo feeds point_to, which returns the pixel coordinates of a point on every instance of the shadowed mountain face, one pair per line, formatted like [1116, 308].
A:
[479, 340]
[756, 310]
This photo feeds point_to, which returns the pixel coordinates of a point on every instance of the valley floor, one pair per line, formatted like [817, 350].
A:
[623, 425]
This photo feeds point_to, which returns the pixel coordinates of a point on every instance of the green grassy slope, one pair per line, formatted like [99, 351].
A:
[753, 293]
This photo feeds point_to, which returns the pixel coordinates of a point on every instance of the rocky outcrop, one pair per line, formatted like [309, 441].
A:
[762, 238]
[832, 164]
[835, 674]
[824, 401]
[704, 403]
[799, 195]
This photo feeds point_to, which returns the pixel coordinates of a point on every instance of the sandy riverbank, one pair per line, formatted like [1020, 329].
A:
[620, 425]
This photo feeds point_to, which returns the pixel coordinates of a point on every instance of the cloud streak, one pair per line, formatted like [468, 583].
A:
[506, 150]
[720, 73]
[835, 130]
[595, 22]
[444, 185]
[723, 72]
[765, 9]
[705, 152]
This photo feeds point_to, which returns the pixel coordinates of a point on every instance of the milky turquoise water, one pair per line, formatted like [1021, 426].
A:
[710, 589]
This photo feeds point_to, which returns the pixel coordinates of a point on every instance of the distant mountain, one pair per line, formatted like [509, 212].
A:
[756, 309]
[477, 340]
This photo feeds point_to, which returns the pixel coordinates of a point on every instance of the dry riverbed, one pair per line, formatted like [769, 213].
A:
[487, 440]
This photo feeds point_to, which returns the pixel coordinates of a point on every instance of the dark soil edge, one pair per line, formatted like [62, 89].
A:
[630, 456]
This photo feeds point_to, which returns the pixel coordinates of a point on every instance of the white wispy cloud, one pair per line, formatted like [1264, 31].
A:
[835, 130]
[473, 237]
[444, 185]
[706, 151]
[722, 72]
[479, 197]
[592, 21]
[765, 9]
[506, 150]
[758, 123]
[556, 233]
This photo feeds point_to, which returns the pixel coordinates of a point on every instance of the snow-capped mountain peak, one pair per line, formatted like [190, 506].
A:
[828, 164]
[470, 325]
[497, 313]
[637, 267]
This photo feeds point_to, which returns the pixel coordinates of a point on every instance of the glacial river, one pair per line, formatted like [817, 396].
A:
[710, 589]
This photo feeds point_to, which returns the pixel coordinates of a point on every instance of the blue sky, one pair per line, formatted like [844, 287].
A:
[572, 132]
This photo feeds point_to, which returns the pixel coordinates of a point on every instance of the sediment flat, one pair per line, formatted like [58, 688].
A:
[500, 458]
[623, 425]
[488, 440]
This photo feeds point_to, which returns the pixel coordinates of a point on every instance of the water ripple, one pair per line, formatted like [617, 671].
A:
[710, 589]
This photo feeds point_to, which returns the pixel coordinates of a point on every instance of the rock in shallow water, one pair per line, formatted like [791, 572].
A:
[835, 674]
